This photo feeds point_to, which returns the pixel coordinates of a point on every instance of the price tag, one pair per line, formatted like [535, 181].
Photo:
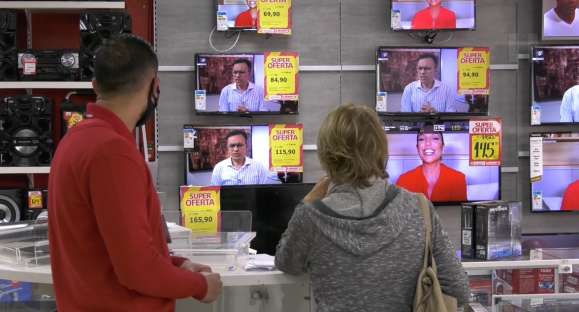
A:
[35, 200]
[200, 100]
[536, 157]
[281, 76]
[200, 208]
[473, 70]
[485, 142]
[274, 17]
[29, 65]
[381, 102]
[286, 148]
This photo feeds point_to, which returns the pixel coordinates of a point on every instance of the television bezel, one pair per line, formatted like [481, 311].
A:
[423, 115]
[238, 114]
[532, 74]
[474, 27]
[537, 134]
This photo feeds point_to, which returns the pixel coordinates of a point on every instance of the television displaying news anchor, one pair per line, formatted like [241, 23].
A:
[427, 95]
[238, 169]
[435, 16]
[569, 110]
[571, 197]
[242, 95]
[562, 20]
[248, 18]
[433, 178]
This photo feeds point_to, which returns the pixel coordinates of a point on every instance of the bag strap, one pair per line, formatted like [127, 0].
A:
[428, 256]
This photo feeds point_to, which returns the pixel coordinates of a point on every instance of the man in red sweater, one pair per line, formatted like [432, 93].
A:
[107, 241]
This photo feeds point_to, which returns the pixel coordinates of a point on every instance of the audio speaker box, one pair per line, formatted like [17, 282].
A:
[8, 50]
[11, 205]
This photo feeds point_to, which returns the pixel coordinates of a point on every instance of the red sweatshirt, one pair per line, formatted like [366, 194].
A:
[107, 243]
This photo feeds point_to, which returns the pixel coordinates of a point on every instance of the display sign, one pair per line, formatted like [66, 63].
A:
[281, 76]
[473, 70]
[536, 156]
[35, 199]
[286, 147]
[274, 17]
[200, 208]
[485, 142]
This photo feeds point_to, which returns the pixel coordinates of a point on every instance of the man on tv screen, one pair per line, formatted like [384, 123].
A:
[241, 95]
[570, 103]
[433, 178]
[248, 19]
[238, 169]
[435, 16]
[427, 95]
[562, 20]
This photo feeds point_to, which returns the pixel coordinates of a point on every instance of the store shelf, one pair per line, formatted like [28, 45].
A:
[45, 85]
[24, 170]
[485, 266]
[62, 5]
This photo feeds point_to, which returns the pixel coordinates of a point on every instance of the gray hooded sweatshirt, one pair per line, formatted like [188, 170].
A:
[364, 258]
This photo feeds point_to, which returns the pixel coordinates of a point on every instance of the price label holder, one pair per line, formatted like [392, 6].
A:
[274, 17]
[200, 208]
[286, 148]
[473, 71]
[281, 76]
[485, 142]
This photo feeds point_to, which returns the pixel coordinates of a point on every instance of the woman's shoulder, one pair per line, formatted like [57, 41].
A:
[452, 172]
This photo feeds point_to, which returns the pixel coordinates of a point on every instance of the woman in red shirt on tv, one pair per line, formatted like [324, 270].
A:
[248, 19]
[434, 17]
[571, 197]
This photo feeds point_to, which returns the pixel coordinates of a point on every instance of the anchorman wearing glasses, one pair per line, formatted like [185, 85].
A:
[242, 95]
[239, 169]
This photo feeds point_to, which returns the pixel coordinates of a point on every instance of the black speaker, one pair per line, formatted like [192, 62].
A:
[11, 205]
[48, 65]
[26, 126]
[95, 27]
[8, 51]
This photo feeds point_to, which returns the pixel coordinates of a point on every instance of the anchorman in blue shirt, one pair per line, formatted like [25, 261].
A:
[242, 95]
[427, 95]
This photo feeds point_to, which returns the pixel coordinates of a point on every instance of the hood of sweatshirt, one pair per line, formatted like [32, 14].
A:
[356, 220]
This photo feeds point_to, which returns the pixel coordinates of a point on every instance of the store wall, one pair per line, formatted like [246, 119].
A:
[347, 32]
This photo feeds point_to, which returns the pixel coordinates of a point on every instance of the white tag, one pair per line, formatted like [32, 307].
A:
[382, 102]
[535, 115]
[200, 100]
[536, 158]
[395, 19]
[537, 202]
[466, 237]
[29, 66]
[222, 21]
[536, 254]
[189, 136]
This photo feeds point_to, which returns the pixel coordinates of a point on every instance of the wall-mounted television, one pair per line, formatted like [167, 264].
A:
[555, 84]
[236, 84]
[209, 154]
[424, 15]
[560, 20]
[433, 159]
[423, 81]
[237, 15]
[554, 171]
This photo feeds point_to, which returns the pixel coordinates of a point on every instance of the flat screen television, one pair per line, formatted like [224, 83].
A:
[555, 84]
[399, 80]
[424, 15]
[555, 25]
[413, 161]
[554, 171]
[218, 78]
[206, 146]
[237, 15]
[271, 205]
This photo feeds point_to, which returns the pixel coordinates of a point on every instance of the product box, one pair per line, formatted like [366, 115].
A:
[467, 231]
[524, 281]
[481, 290]
[497, 229]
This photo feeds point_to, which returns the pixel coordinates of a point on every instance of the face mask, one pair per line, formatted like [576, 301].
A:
[151, 105]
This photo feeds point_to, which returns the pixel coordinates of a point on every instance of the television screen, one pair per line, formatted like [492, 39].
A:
[555, 85]
[560, 20]
[237, 15]
[554, 171]
[415, 81]
[433, 159]
[235, 84]
[213, 159]
[271, 205]
[432, 14]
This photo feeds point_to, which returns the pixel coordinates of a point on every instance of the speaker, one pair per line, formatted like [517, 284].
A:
[48, 65]
[26, 126]
[8, 51]
[11, 205]
[95, 27]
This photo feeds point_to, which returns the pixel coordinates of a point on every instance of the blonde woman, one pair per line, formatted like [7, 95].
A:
[360, 238]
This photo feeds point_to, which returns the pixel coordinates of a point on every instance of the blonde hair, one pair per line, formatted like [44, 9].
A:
[352, 145]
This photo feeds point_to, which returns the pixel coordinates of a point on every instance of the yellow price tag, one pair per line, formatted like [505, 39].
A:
[274, 15]
[281, 70]
[485, 147]
[35, 200]
[200, 208]
[473, 70]
[286, 146]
